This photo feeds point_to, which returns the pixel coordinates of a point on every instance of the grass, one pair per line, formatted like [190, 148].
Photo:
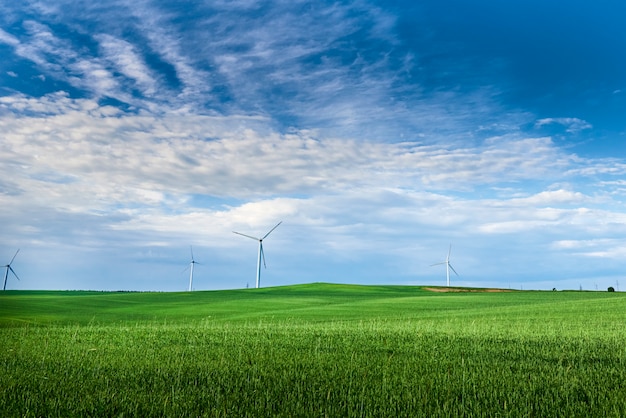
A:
[313, 350]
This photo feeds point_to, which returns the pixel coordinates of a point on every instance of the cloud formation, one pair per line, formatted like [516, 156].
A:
[134, 129]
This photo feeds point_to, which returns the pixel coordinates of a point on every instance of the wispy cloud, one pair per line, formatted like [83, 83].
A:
[8, 39]
[61, 59]
[170, 153]
[127, 60]
[572, 125]
[246, 58]
[611, 248]
[88, 159]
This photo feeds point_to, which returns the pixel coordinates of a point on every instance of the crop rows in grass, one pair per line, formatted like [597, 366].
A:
[285, 367]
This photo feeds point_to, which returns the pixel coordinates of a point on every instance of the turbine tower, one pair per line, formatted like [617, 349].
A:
[191, 264]
[261, 254]
[448, 266]
[9, 268]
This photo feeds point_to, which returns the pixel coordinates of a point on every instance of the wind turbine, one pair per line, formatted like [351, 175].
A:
[448, 266]
[261, 254]
[8, 267]
[191, 264]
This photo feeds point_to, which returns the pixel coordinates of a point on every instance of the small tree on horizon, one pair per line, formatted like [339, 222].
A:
[611, 289]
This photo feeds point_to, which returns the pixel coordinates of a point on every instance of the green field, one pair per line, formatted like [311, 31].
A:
[313, 350]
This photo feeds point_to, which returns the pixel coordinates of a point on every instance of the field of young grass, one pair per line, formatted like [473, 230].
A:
[313, 350]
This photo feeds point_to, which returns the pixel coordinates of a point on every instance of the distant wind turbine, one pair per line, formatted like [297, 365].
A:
[261, 254]
[448, 266]
[191, 264]
[9, 268]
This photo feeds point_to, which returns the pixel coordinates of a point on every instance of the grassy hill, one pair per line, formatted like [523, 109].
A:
[308, 302]
[80, 307]
[313, 350]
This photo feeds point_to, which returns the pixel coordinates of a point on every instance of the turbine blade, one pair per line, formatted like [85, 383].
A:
[263, 255]
[449, 251]
[18, 250]
[438, 264]
[453, 269]
[265, 236]
[247, 236]
[191, 249]
[12, 271]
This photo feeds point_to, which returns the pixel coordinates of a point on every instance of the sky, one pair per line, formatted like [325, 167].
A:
[382, 134]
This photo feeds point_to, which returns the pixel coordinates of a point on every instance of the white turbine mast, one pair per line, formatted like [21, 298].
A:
[261, 254]
[191, 265]
[9, 268]
[448, 266]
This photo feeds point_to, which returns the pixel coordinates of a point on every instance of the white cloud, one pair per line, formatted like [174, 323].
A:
[196, 82]
[120, 157]
[552, 197]
[572, 125]
[608, 248]
[79, 167]
[8, 39]
[242, 59]
[124, 56]
[62, 59]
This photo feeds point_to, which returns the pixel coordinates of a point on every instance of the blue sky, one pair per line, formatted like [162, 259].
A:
[379, 133]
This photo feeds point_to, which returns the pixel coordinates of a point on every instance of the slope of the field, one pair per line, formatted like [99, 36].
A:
[317, 302]
[313, 350]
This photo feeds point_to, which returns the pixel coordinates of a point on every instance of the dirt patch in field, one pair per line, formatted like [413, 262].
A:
[464, 290]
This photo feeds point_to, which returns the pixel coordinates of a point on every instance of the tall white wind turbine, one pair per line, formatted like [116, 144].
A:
[261, 254]
[191, 265]
[448, 266]
[9, 268]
